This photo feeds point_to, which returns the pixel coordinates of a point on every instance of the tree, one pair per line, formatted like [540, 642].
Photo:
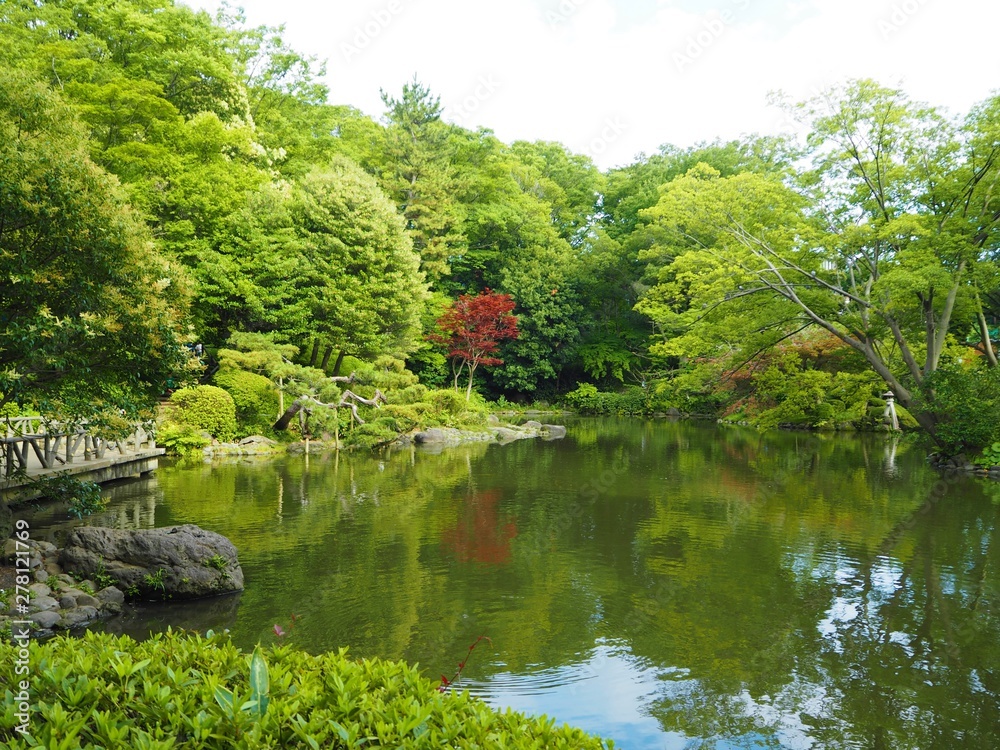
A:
[874, 246]
[420, 178]
[326, 258]
[472, 329]
[90, 315]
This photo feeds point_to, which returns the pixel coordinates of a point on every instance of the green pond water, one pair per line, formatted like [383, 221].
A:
[663, 584]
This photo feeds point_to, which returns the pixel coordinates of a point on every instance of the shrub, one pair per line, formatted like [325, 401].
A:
[448, 401]
[588, 400]
[255, 398]
[181, 439]
[207, 408]
[84, 498]
[413, 394]
[449, 407]
[406, 417]
[188, 691]
[968, 400]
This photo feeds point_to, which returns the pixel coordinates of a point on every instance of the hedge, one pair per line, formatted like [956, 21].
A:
[255, 398]
[189, 691]
[207, 408]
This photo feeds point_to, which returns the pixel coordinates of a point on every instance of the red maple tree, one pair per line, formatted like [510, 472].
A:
[472, 329]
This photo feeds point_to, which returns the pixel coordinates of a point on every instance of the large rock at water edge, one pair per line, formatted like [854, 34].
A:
[176, 562]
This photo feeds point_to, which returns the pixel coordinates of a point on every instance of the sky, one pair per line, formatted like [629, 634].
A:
[616, 78]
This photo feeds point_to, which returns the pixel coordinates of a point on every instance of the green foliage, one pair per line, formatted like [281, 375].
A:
[376, 433]
[990, 455]
[100, 577]
[968, 402]
[91, 313]
[154, 581]
[181, 439]
[410, 395]
[206, 407]
[255, 398]
[448, 407]
[84, 498]
[693, 389]
[217, 562]
[202, 692]
[587, 399]
[787, 394]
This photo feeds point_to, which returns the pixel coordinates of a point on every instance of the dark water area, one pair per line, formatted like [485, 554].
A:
[663, 584]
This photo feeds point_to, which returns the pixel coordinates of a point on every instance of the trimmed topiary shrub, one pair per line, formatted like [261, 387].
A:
[187, 691]
[448, 401]
[206, 407]
[255, 397]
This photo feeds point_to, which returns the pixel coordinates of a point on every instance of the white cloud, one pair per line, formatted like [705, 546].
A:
[661, 72]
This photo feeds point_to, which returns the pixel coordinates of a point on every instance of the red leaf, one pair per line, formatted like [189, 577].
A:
[473, 327]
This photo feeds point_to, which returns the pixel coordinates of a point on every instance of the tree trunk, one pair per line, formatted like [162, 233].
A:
[326, 358]
[984, 333]
[944, 323]
[468, 390]
[286, 418]
[339, 362]
[315, 354]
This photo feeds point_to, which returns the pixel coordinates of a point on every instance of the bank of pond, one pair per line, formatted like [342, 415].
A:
[654, 583]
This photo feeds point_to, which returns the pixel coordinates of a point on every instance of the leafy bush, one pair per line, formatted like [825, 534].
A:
[449, 407]
[373, 434]
[84, 498]
[255, 398]
[588, 400]
[206, 407]
[448, 401]
[187, 691]
[990, 456]
[413, 394]
[968, 398]
[182, 439]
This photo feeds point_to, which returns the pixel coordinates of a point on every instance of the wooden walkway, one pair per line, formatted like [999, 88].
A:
[33, 447]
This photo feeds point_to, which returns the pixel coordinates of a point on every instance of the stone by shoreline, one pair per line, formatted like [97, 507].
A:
[57, 600]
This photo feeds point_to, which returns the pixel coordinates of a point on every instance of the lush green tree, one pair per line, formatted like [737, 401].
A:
[570, 183]
[326, 258]
[419, 176]
[163, 91]
[90, 315]
[372, 290]
[876, 247]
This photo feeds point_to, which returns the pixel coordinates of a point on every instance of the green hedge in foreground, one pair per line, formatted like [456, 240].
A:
[189, 691]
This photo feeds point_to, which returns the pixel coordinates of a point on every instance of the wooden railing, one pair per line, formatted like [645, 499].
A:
[36, 443]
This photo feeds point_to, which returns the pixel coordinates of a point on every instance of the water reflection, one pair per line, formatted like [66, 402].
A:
[664, 584]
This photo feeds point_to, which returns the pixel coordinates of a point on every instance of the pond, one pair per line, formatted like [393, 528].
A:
[664, 584]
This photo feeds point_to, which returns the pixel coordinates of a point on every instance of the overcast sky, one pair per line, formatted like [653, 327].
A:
[613, 78]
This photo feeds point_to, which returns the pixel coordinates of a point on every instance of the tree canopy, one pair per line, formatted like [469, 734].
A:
[717, 278]
[91, 314]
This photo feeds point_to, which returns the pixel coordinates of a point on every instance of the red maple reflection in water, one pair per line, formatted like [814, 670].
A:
[480, 535]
